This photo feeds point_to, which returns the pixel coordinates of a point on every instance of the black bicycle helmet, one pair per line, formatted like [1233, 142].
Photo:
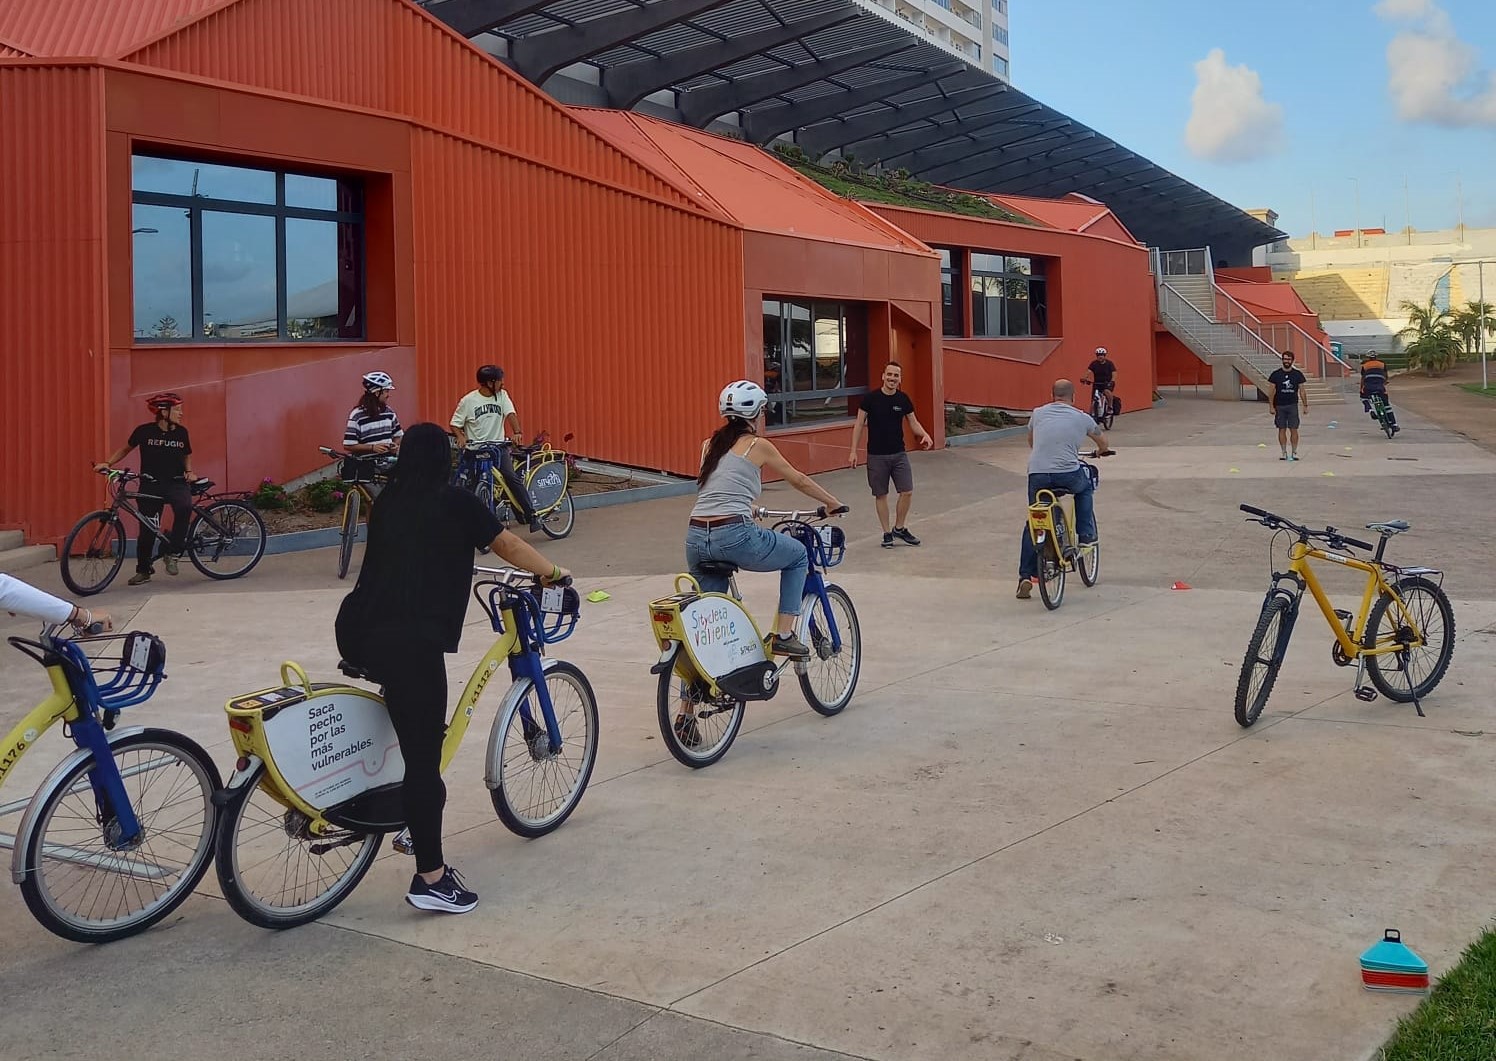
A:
[490, 374]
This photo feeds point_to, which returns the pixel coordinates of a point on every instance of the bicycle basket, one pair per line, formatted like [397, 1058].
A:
[827, 545]
[560, 608]
[1093, 472]
[125, 670]
[363, 469]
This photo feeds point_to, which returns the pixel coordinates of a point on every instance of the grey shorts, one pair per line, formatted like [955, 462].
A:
[883, 467]
[1286, 416]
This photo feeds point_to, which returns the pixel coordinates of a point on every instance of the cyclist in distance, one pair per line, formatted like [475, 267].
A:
[721, 525]
[482, 418]
[166, 472]
[1055, 434]
[21, 598]
[1373, 382]
[373, 428]
[1103, 375]
[406, 613]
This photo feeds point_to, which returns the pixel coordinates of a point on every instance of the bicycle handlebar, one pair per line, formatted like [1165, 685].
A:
[510, 576]
[1329, 535]
[816, 513]
[1100, 453]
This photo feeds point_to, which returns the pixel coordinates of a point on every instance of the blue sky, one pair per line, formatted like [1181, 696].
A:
[1346, 88]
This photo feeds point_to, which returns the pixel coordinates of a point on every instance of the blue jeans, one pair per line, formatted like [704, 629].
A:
[1078, 483]
[753, 549]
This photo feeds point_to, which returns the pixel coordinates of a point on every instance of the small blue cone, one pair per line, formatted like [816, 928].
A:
[1333, 424]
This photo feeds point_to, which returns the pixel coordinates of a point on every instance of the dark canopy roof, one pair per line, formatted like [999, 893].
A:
[843, 76]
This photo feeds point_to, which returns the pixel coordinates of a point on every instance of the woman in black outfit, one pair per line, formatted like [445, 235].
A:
[406, 612]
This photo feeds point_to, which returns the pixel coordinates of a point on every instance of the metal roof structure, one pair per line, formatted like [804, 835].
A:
[848, 76]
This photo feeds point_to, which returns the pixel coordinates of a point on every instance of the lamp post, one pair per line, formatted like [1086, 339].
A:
[1480, 271]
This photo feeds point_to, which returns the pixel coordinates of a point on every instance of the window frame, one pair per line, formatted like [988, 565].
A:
[280, 212]
[1038, 272]
[787, 395]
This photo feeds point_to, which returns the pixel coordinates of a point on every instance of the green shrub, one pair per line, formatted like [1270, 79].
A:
[955, 416]
[324, 495]
[270, 495]
[992, 417]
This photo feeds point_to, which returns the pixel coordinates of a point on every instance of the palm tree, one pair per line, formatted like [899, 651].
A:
[1432, 342]
[1467, 324]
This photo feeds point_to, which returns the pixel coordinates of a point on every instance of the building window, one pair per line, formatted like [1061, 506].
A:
[1002, 7]
[228, 253]
[1000, 34]
[950, 278]
[1009, 296]
[1000, 66]
[815, 360]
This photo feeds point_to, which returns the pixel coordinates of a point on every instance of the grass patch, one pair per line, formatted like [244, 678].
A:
[895, 188]
[1476, 388]
[1457, 1022]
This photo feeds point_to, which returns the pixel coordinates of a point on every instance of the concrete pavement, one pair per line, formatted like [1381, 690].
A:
[1032, 835]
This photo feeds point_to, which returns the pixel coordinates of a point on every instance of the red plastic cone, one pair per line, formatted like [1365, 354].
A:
[1182, 585]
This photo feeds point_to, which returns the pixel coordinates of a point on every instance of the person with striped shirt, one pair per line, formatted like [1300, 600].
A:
[373, 428]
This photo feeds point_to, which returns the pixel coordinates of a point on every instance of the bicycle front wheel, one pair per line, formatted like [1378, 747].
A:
[351, 504]
[534, 789]
[82, 881]
[1402, 675]
[93, 552]
[1051, 567]
[558, 522]
[697, 729]
[1264, 658]
[226, 539]
[830, 677]
[274, 872]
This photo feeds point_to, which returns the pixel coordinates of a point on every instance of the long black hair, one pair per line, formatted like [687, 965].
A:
[371, 402]
[423, 466]
[723, 440]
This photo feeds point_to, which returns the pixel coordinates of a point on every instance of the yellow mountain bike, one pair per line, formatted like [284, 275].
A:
[318, 779]
[1051, 525]
[363, 478]
[1402, 637]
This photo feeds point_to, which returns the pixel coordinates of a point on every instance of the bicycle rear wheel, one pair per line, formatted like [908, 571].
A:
[697, 729]
[93, 552]
[533, 789]
[1051, 567]
[81, 882]
[1264, 658]
[1089, 561]
[226, 539]
[830, 677]
[273, 871]
[558, 522]
[351, 504]
[1401, 675]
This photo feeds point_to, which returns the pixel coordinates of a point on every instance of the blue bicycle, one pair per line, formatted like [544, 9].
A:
[120, 832]
[546, 473]
[713, 658]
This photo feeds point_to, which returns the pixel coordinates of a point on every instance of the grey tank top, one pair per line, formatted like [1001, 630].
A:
[731, 489]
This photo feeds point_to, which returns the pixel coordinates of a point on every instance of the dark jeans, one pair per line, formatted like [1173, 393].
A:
[414, 675]
[503, 459]
[178, 495]
[1078, 483]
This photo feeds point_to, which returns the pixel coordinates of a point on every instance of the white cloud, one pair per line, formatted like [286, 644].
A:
[1433, 75]
[1229, 119]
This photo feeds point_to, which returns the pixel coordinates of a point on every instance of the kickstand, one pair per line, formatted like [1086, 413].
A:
[1405, 658]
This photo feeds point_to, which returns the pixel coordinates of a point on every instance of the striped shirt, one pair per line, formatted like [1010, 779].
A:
[367, 429]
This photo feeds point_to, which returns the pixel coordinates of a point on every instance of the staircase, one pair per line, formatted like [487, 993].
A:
[16, 555]
[1226, 348]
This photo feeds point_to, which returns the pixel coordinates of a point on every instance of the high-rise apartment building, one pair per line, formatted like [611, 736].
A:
[975, 30]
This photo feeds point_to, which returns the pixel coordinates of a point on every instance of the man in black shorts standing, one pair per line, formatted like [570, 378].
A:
[882, 413]
[1288, 396]
[166, 477]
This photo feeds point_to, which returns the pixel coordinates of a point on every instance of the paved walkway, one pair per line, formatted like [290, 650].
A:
[1441, 399]
[1032, 835]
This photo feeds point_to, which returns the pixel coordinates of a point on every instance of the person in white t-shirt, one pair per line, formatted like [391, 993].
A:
[481, 421]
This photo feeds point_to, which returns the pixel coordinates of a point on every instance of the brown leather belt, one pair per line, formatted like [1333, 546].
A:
[719, 521]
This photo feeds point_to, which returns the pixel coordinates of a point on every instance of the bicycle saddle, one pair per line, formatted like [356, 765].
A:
[354, 671]
[1388, 528]
[721, 568]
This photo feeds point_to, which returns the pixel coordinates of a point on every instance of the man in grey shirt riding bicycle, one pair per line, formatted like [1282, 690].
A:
[1055, 434]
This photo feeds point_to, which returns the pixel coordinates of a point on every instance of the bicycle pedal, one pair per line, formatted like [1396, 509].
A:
[402, 843]
[1366, 694]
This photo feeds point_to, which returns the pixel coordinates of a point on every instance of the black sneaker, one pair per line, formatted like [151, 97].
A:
[447, 896]
[789, 645]
[902, 533]
[887, 540]
[535, 525]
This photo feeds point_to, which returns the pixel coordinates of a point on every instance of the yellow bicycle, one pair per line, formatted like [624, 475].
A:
[363, 478]
[1402, 637]
[318, 779]
[1050, 526]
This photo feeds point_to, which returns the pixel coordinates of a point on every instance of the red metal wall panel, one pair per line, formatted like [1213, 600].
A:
[53, 366]
[91, 28]
[1101, 295]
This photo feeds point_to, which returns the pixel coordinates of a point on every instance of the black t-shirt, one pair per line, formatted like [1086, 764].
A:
[1288, 381]
[885, 420]
[163, 454]
[1101, 371]
[418, 567]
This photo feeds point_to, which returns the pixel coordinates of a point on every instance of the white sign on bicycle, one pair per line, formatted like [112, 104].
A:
[722, 637]
[333, 746]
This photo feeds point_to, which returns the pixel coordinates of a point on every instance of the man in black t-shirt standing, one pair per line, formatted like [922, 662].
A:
[165, 472]
[882, 413]
[1287, 398]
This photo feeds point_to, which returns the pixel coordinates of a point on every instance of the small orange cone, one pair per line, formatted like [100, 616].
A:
[1182, 585]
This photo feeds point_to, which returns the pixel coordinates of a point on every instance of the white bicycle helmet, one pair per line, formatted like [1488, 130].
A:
[378, 381]
[742, 398]
[1101, 351]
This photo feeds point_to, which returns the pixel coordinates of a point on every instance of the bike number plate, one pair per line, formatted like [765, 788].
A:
[552, 599]
[825, 534]
[333, 746]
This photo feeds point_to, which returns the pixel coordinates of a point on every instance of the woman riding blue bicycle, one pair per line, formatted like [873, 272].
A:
[721, 524]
